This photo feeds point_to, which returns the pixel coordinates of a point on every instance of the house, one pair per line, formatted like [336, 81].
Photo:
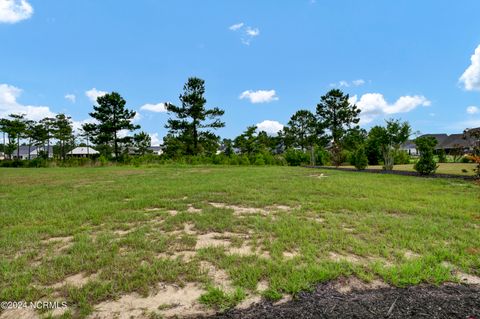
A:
[156, 150]
[25, 152]
[82, 152]
[22, 152]
[455, 142]
[450, 143]
[410, 147]
[36, 151]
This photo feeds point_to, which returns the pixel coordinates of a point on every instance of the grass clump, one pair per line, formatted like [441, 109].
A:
[218, 299]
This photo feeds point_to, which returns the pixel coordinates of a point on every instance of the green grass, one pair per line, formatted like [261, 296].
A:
[116, 225]
[463, 169]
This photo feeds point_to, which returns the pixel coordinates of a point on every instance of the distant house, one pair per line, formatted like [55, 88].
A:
[37, 151]
[23, 152]
[410, 147]
[83, 152]
[156, 150]
[449, 143]
[455, 142]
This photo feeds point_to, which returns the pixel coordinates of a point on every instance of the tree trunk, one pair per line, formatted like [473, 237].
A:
[115, 146]
[29, 147]
[195, 137]
[18, 147]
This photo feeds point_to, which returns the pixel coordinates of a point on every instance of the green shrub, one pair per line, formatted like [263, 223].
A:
[466, 159]
[401, 157]
[426, 146]
[359, 159]
[296, 157]
[322, 157]
[259, 160]
[103, 160]
[442, 156]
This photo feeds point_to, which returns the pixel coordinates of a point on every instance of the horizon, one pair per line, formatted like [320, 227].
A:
[261, 62]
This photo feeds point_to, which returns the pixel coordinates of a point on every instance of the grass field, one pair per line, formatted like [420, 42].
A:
[463, 169]
[184, 240]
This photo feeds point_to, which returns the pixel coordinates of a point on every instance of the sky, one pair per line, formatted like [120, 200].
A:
[413, 60]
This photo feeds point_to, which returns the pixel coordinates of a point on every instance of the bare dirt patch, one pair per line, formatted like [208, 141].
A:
[239, 210]
[411, 255]
[345, 285]
[219, 277]
[345, 257]
[76, 280]
[247, 250]
[192, 209]
[211, 240]
[24, 313]
[172, 300]
[185, 255]
[290, 254]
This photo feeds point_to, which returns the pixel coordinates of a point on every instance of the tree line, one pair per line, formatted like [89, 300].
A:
[330, 135]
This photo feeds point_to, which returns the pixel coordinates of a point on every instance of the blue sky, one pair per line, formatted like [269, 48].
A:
[261, 60]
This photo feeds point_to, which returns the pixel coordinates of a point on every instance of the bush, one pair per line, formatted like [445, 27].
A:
[296, 157]
[103, 160]
[359, 158]
[442, 156]
[259, 160]
[322, 157]
[465, 159]
[426, 146]
[401, 157]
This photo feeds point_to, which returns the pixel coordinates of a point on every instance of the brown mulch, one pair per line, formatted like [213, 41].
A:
[422, 301]
[404, 173]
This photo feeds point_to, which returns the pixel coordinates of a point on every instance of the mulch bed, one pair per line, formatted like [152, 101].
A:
[422, 301]
[404, 173]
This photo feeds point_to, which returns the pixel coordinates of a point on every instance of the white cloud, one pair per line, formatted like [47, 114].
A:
[9, 104]
[347, 84]
[93, 94]
[358, 82]
[247, 32]
[155, 139]
[13, 11]
[260, 96]
[374, 104]
[253, 32]
[473, 110]
[471, 77]
[70, 97]
[237, 26]
[158, 108]
[77, 125]
[270, 127]
[137, 117]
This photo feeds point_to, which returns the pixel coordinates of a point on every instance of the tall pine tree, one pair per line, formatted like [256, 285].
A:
[112, 116]
[336, 114]
[191, 126]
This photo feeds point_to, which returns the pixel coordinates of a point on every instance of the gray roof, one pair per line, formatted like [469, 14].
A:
[455, 141]
[440, 138]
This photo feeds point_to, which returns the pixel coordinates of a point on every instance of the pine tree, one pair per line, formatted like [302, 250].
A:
[190, 128]
[336, 114]
[112, 117]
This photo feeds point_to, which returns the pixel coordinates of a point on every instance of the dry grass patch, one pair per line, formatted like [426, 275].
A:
[346, 285]
[171, 299]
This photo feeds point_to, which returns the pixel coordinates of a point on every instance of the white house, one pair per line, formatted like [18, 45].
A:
[83, 152]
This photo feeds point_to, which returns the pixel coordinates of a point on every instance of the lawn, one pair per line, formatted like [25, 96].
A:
[182, 240]
[463, 169]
